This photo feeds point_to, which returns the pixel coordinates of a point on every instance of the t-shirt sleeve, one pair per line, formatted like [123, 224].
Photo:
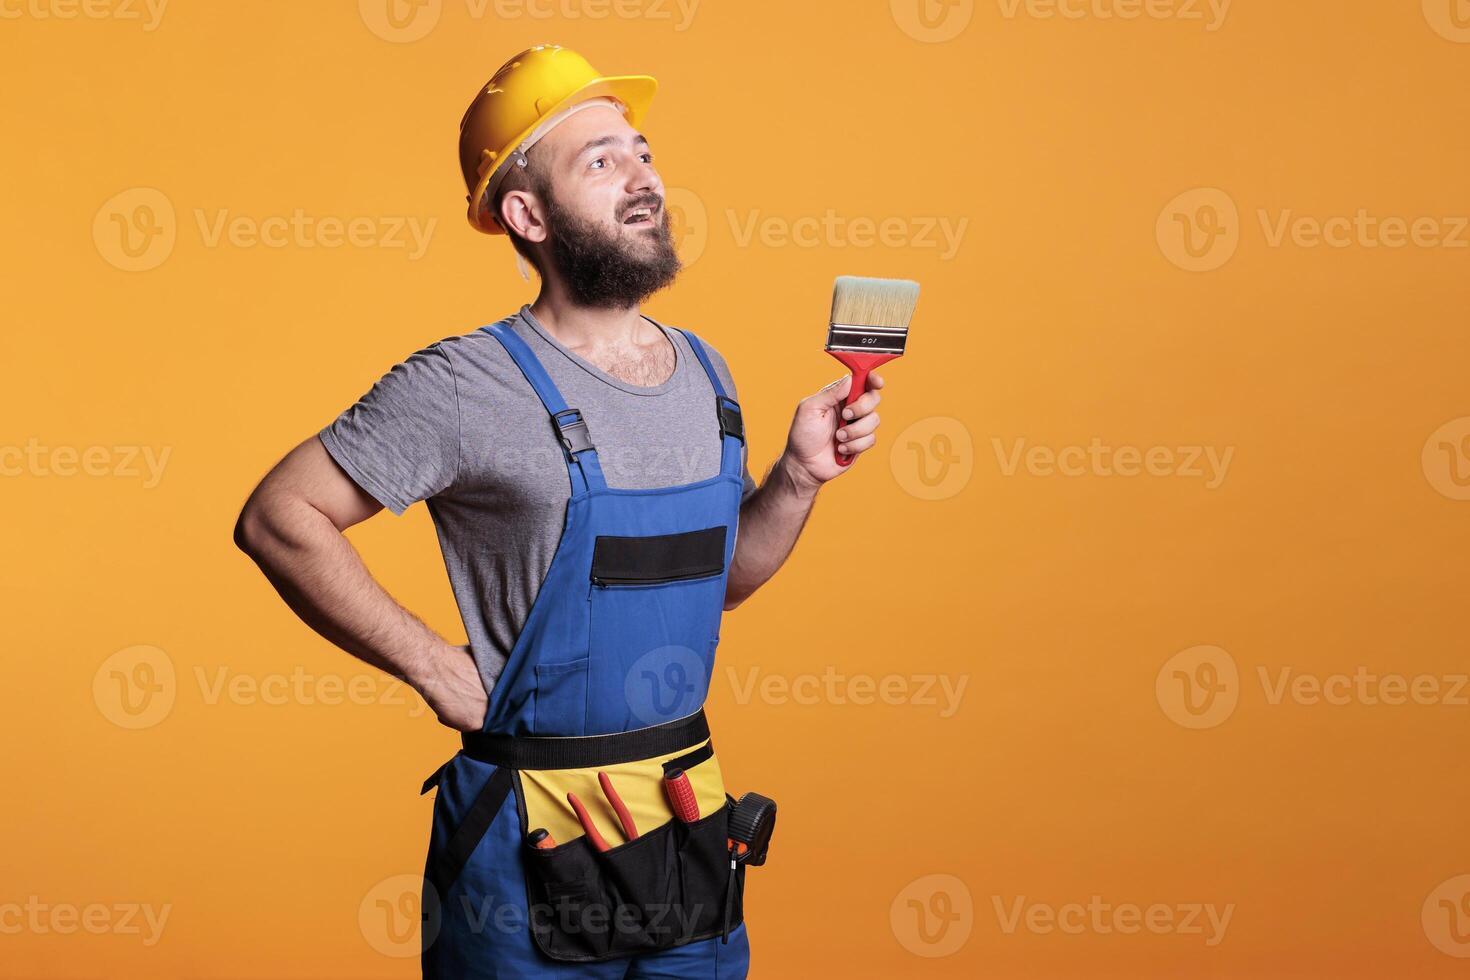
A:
[400, 441]
[726, 379]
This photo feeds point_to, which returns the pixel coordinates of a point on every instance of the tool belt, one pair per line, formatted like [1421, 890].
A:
[629, 842]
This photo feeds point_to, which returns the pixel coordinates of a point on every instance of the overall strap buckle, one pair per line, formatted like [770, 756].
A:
[731, 424]
[573, 434]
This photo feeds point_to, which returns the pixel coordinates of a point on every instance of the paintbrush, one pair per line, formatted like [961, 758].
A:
[870, 323]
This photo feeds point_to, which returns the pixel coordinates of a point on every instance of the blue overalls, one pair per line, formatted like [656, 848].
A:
[620, 639]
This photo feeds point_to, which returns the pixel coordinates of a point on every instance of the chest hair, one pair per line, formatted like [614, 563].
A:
[644, 366]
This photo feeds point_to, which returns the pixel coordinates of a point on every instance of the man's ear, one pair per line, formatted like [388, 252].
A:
[520, 211]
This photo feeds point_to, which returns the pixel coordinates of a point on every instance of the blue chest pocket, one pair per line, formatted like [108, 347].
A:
[655, 612]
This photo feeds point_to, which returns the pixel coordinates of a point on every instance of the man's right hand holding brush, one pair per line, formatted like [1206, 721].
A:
[869, 327]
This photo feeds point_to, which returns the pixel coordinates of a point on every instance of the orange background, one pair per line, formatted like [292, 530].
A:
[1333, 543]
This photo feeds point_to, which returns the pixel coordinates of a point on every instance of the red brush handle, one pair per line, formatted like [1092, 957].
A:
[860, 364]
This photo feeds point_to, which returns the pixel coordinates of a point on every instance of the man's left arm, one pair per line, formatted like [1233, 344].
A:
[772, 517]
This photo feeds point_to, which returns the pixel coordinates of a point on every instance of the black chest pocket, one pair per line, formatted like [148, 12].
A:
[658, 558]
[655, 606]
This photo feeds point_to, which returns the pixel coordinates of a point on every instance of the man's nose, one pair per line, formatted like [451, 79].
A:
[642, 178]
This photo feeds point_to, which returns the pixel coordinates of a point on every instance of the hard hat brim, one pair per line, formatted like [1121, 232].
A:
[634, 91]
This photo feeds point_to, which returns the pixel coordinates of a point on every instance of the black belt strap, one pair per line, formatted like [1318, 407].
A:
[467, 836]
[690, 759]
[588, 751]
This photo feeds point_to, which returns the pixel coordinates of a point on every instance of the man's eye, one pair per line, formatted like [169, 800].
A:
[646, 157]
[599, 162]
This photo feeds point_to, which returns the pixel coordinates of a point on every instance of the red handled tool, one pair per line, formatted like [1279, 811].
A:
[870, 324]
[585, 819]
[624, 817]
[681, 795]
[541, 839]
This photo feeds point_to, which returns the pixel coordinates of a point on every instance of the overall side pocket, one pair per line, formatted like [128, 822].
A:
[560, 704]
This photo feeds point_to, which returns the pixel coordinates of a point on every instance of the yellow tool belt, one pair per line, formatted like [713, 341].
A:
[616, 860]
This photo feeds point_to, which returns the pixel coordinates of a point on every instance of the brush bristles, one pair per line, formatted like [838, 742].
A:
[874, 302]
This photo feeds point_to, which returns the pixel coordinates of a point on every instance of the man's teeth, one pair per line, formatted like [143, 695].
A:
[638, 215]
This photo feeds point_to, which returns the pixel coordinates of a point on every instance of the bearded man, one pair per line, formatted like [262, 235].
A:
[586, 470]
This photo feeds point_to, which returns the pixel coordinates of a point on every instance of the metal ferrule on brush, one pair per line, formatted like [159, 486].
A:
[855, 337]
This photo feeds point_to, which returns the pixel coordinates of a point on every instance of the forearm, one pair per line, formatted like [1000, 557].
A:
[770, 522]
[324, 581]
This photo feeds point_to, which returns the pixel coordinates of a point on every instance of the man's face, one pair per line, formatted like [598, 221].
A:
[610, 237]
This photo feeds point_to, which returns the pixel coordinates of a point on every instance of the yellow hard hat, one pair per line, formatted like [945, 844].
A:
[526, 93]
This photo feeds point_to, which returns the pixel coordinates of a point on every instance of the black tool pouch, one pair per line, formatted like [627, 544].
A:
[673, 884]
[670, 886]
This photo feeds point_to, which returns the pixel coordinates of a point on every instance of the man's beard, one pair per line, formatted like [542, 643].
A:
[605, 272]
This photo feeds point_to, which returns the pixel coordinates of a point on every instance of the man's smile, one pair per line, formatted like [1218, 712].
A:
[642, 215]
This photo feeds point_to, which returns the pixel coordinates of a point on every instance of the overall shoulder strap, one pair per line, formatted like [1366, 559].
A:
[568, 423]
[727, 410]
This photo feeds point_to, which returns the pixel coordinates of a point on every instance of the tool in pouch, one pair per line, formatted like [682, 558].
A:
[612, 889]
[593, 848]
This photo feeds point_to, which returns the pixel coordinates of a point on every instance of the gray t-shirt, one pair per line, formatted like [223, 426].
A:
[458, 425]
